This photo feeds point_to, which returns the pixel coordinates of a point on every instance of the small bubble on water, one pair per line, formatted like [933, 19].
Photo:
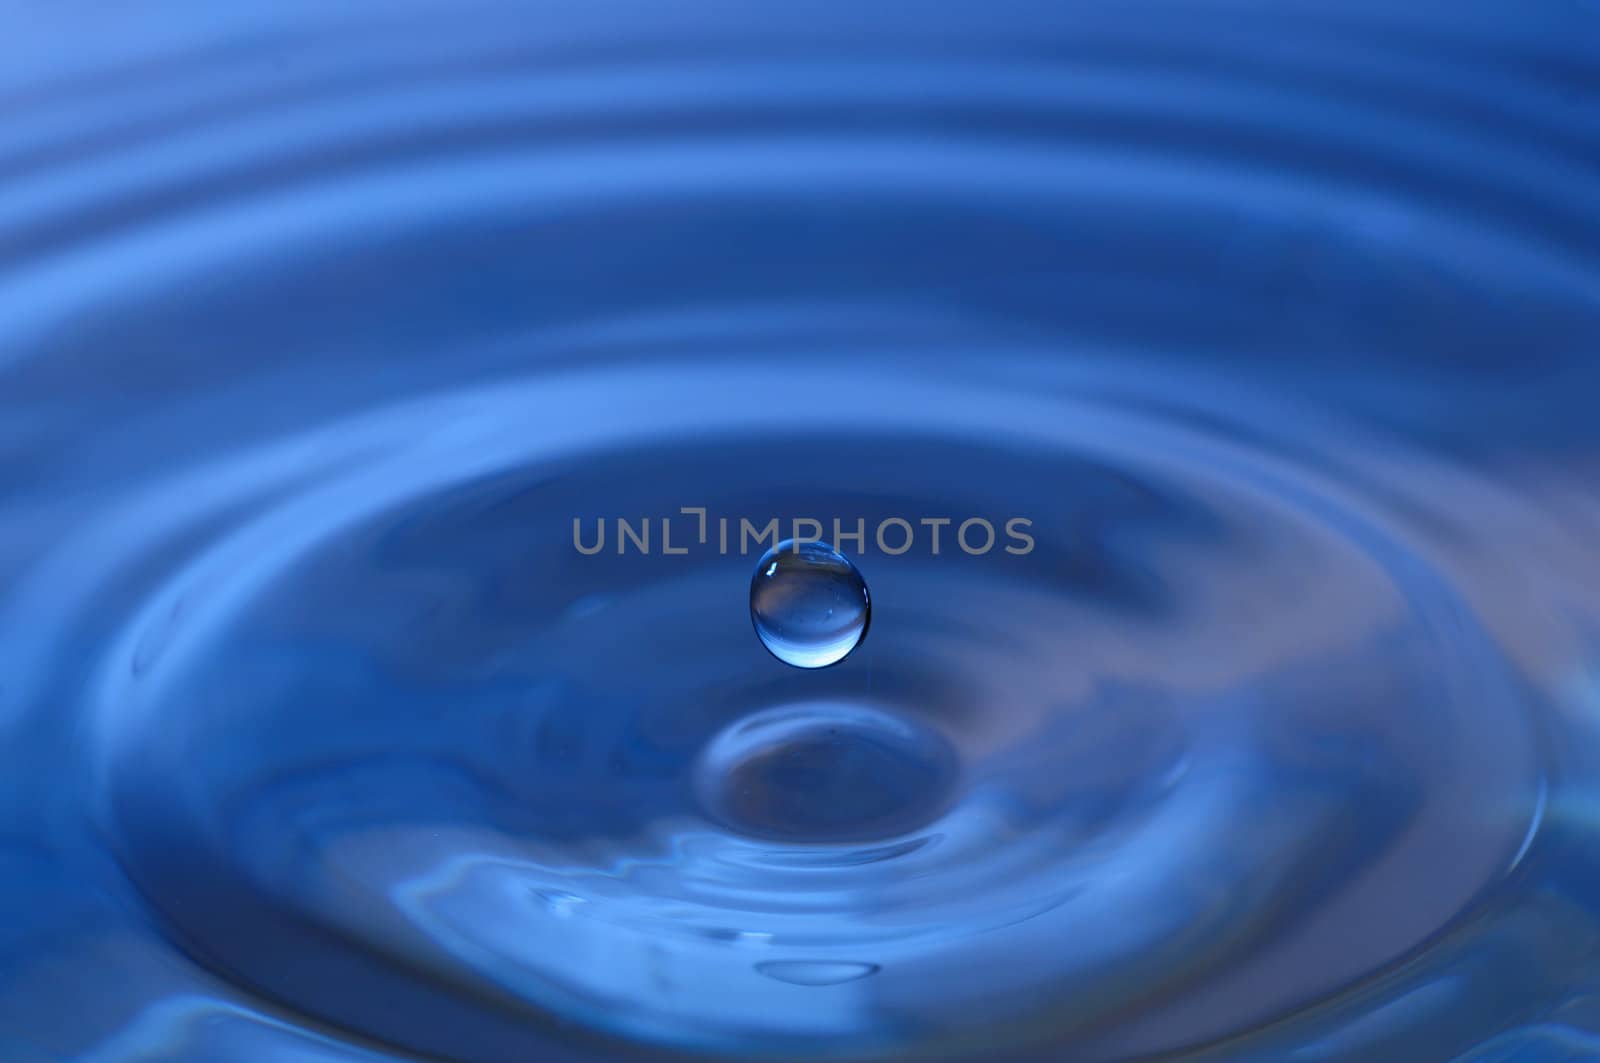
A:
[809, 604]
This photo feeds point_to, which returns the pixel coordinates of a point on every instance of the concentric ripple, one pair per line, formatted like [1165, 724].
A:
[329, 341]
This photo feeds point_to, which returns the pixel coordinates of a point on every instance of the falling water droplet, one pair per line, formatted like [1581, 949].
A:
[809, 604]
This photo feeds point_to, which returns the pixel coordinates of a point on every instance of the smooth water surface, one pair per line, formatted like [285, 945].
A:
[1260, 725]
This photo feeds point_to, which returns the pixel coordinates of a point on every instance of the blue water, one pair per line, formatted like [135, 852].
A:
[1276, 324]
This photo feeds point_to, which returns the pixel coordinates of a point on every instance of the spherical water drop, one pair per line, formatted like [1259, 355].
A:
[809, 604]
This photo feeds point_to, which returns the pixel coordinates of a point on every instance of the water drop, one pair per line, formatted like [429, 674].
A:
[809, 604]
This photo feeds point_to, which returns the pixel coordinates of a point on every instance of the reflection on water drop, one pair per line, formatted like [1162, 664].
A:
[809, 604]
[816, 972]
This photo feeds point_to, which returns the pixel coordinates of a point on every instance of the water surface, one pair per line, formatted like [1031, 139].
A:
[1278, 322]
